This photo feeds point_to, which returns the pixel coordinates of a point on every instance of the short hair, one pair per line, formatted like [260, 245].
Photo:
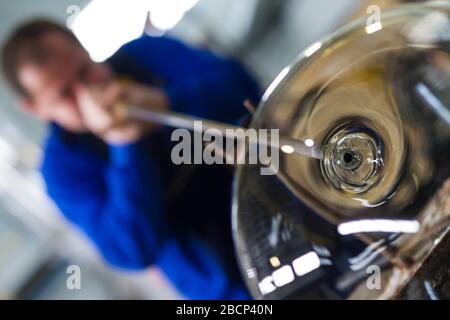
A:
[23, 45]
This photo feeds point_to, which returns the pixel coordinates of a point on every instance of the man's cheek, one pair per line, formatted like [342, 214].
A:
[66, 111]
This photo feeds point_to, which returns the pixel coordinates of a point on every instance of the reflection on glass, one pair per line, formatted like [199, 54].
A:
[376, 102]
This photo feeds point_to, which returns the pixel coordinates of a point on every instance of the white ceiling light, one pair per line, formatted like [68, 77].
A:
[103, 26]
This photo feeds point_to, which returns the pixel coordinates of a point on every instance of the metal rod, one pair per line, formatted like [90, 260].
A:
[180, 120]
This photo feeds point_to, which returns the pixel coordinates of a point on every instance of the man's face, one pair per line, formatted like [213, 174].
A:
[51, 82]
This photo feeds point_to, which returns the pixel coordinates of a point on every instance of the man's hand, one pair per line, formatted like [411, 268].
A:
[101, 110]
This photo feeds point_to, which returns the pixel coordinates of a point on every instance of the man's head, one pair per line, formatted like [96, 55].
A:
[44, 63]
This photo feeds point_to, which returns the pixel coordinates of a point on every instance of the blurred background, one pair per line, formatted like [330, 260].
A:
[36, 244]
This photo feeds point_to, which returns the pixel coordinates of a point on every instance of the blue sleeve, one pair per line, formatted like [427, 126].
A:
[120, 208]
[195, 270]
[197, 81]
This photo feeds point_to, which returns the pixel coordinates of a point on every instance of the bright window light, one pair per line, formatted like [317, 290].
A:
[266, 285]
[8, 153]
[309, 143]
[306, 263]
[372, 28]
[275, 83]
[287, 149]
[165, 14]
[312, 49]
[103, 26]
[379, 225]
[283, 276]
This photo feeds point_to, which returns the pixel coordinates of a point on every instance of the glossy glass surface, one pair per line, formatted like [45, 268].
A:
[374, 102]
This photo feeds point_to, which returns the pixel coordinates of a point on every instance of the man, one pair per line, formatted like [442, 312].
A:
[113, 177]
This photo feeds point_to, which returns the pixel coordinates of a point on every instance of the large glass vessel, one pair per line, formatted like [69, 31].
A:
[369, 217]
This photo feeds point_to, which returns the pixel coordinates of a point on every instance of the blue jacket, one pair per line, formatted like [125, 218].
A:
[136, 205]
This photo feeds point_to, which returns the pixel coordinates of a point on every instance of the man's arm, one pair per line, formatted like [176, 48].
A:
[197, 81]
[120, 209]
[118, 206]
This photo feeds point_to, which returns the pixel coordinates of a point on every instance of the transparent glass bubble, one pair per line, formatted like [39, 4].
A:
[374, 102]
